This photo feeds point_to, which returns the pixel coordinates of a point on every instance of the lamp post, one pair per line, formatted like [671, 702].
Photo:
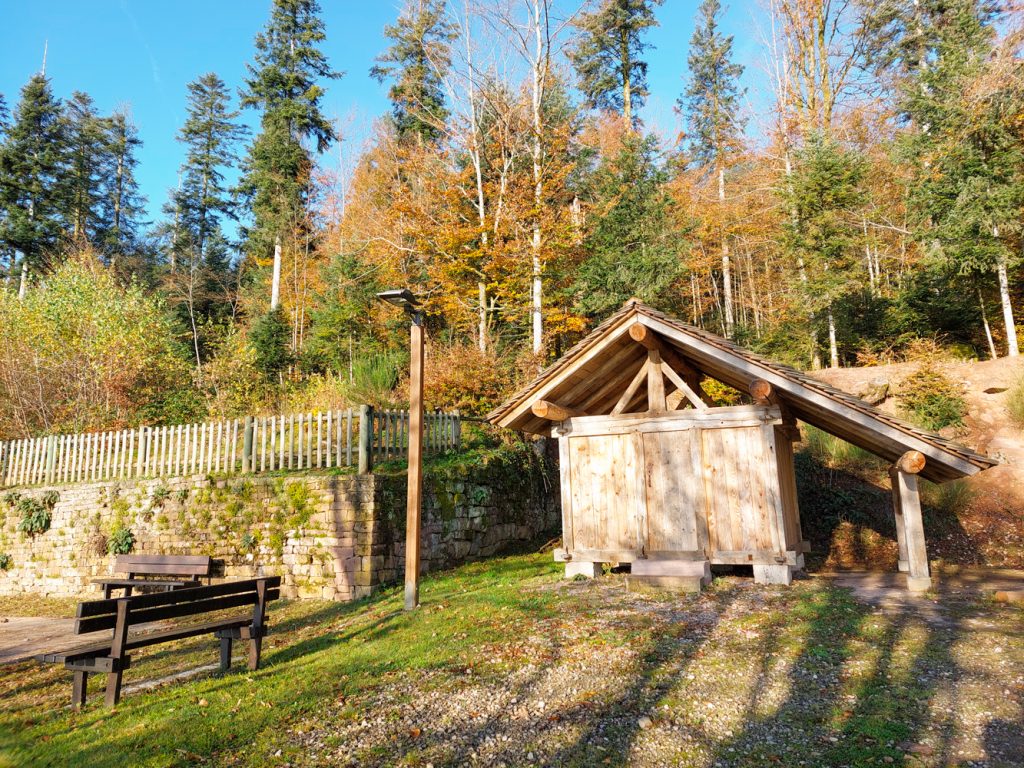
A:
[410, 304]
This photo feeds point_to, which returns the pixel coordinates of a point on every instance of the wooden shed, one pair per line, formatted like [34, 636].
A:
[654, 475]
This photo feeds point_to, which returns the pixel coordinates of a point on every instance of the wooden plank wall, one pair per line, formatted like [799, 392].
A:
[728, 491]
[294, 441]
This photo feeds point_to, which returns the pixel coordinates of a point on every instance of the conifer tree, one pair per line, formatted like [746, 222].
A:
[608, 55]
[122, 203]
[210, 135]
[86, 158]
[631, 249]
[416, 62]
[31, 168]
[284, 83]
[823, 192]
[715, 128]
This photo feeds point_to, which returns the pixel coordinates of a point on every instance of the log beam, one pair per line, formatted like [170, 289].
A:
[641, 334]
[545, 409]
[764, 393]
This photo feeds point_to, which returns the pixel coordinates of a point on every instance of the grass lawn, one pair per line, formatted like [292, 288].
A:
[507, 664]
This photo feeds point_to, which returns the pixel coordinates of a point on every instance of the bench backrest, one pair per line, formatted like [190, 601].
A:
[95, 615]
[174, 565]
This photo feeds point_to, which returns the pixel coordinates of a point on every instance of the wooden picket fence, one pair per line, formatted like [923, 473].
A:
[337, 438]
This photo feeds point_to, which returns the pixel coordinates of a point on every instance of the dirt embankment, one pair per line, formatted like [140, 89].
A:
[989, 517]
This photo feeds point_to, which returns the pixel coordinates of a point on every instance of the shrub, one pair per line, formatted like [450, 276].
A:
[249, 542]
[931, 399]
[1015, 403]
[6, 561]
[461, 376]
[94, 351]
[948, 499]
[121, 541]
[833, 452]
[35, 518]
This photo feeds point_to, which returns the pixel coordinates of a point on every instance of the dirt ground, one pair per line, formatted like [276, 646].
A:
[739, 676]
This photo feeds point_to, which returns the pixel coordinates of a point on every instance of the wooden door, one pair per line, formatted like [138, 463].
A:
[607, 493]
[676, 503]
[742, 518]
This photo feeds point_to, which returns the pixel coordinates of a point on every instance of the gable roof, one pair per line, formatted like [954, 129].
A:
[593, 374]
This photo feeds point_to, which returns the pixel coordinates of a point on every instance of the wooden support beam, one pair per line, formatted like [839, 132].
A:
[683, 387]
[655, 382]
[907, 510]
[634, 385]
[545, 409]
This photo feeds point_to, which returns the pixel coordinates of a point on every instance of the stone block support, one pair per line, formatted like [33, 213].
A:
[773, 574]
[590, 570]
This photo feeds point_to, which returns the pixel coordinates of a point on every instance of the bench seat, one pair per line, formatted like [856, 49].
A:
[143, 639]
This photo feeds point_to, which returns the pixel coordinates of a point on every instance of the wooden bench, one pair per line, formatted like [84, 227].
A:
[110, 656]
[157, 571]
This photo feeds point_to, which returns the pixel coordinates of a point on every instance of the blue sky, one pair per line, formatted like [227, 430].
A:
[141, 53]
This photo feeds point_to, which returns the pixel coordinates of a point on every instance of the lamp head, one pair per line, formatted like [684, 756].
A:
[404, 298]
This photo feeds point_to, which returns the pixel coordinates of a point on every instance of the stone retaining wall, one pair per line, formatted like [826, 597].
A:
[329, 536]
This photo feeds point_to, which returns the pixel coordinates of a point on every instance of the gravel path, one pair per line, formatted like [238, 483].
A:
[739, 676]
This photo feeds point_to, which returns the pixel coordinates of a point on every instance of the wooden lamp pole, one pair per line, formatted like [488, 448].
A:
[408, 302]
[415, 496]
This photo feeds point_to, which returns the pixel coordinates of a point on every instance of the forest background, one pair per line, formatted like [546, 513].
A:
[865, 206]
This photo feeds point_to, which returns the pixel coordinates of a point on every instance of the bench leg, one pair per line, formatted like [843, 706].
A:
[255, 644]
[78, 686]
[113, 695]
[225, 654]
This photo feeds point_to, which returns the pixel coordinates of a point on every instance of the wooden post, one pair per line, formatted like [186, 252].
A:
[247, 445]
[415, 472]
[365, 439]
[655, 382]
[909, 525]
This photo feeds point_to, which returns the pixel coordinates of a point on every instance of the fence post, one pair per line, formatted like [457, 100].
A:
[365, 439]
[457, 430]
[51, 457]
[247, 444]
[141, 457]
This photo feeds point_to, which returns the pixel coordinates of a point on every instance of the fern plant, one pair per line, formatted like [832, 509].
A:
[6, 561]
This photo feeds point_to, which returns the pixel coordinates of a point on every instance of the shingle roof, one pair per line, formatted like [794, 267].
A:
[810, 400]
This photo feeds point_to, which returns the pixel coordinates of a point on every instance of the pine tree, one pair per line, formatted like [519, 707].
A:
[31, 168]
[86, 150]
[210, 135]
[823, 192]
[607, 57]
[711, 104]
[631, 249]
[416, 62]
[122, 204]
[284, 84]
[5, 116]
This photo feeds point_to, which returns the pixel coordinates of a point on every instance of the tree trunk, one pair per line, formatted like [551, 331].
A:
[833, 348]
[988, 329]
[539, 72]
[275, 284]
[481, 288]
[730, 314]
[627, 86]
[23, 287]
[1004, 298]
